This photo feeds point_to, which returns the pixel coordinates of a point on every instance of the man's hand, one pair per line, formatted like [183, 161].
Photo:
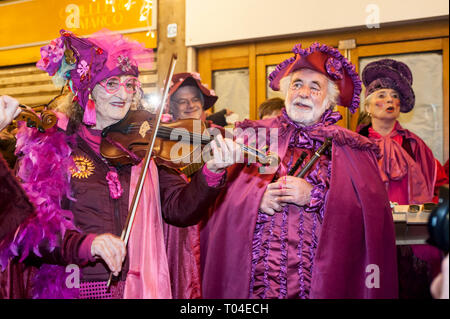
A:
[9, 109]
[111, 249]
[225, 153]
[286, 190]
[271, 201]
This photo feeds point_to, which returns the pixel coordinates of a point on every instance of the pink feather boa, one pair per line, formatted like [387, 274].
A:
[44, 171]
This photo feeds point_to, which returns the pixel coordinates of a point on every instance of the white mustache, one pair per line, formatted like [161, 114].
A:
[303, 102]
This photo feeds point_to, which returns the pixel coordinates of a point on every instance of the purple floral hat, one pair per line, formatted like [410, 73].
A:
[328, 61]
[87, 61]
[390, 74]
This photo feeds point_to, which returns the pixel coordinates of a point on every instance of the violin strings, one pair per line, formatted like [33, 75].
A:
[166, 132]
[169, 130]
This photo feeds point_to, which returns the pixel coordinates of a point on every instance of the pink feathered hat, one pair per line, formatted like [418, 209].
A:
[87, 61]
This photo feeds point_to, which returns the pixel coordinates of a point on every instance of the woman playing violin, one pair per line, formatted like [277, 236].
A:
[71, 244]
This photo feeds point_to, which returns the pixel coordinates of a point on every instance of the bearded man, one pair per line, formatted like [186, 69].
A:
[329, 234]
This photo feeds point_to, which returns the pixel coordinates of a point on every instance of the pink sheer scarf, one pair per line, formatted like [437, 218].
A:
[396, 164]
[92, 137]
[148, 276]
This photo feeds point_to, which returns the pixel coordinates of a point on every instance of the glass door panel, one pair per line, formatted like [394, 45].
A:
[232, 88]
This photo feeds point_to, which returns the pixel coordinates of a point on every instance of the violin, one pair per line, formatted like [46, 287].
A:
[142, 133]
[47, 120]
[177, 144]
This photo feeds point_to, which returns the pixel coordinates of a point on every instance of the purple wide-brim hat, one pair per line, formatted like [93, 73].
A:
[390, 74]
[193, 79]
[327, 61]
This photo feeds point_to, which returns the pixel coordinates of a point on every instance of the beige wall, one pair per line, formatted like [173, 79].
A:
[212, 22]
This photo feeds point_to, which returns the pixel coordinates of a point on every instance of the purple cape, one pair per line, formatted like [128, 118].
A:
[357, 230]
[424, 157]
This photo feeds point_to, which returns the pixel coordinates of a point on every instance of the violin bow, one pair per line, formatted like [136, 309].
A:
[137, 193]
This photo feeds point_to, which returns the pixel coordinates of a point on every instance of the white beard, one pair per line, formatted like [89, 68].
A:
[305, 116]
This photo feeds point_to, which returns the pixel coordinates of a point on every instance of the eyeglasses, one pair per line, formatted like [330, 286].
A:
[185, 102]
[113, 84]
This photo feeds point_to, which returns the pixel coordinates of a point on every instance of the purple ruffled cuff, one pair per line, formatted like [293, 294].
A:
[317, 199]
[213, 179]
[319, 179]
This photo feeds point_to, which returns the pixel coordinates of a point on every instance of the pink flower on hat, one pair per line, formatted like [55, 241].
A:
[51, 56]
[83, 68]
[124, 63]
[334, 68]
[44, 61]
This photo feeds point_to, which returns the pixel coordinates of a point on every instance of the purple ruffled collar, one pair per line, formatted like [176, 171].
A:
[302, 136]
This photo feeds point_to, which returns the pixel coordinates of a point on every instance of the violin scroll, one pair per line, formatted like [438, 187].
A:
[47, 120]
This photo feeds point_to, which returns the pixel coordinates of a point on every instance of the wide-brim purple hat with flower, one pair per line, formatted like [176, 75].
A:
[328, 61]
[390, 74]
[84, 62]
[193, 79]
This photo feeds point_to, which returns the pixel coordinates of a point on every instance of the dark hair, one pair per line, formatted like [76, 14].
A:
[363, 124]
[269, 106]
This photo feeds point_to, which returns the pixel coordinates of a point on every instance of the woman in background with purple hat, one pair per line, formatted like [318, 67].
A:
[408, 168]
[411, 177]
[68, 248]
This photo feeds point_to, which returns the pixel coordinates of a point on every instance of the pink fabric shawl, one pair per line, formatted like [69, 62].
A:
[148, 276]
[396, 163]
